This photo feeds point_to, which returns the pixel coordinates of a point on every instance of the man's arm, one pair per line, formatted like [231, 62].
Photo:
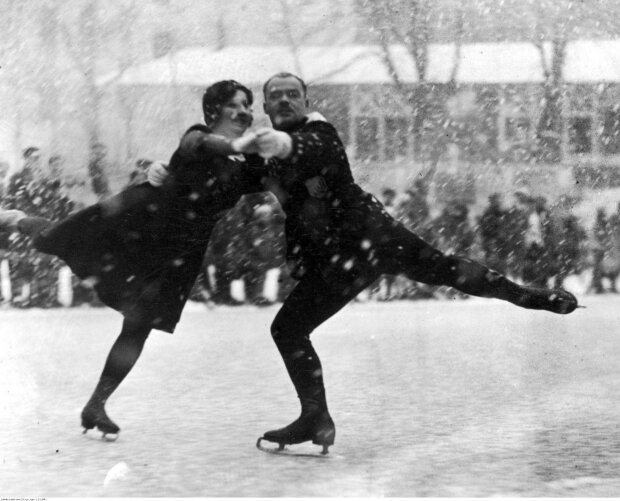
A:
[309, 152]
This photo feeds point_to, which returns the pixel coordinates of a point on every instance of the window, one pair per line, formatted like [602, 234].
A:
[517, 130]
[396, 137]
[610, 138]
[367, 140]
[516, 112]
[580, 134]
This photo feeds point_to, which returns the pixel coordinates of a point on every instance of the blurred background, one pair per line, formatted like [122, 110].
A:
[491, 128]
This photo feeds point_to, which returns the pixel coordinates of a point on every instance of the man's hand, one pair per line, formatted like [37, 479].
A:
[273, 143]
[245, 144]
[317, 187]
[157, 173]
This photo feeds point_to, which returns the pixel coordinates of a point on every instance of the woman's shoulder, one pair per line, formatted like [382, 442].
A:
[190, 140]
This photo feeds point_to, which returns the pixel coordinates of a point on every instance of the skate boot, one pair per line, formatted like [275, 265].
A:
[553, 300]
[314, 424]
[94, 416]
[10, 218]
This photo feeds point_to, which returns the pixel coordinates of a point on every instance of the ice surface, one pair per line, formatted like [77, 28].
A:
[433, 398]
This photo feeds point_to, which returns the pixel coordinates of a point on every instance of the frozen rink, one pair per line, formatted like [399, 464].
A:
[436, 398]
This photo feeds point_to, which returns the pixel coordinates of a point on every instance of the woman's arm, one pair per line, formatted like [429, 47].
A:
[197, 142]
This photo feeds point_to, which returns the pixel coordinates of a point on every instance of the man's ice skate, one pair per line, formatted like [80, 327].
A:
[10, 218]
[316, 426]
[556, 300]
[94, 416]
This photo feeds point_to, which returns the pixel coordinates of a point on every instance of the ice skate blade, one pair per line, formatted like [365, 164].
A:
[281, 450]
[105, 437]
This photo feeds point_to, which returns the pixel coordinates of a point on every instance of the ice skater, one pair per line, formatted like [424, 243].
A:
[340, 239]
[143, 248]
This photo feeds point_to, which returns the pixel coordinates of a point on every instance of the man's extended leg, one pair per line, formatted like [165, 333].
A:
[310, 304]
[408, 254]
[123, 355]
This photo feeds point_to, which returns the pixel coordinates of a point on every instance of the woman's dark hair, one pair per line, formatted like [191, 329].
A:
[217, 94]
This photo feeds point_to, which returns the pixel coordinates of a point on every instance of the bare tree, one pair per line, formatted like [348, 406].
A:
[119, 30]
[549, 126]
[550, 28]
[82, 44]
[555, 25]
[409, 23]
[19, 64]
[301, 25]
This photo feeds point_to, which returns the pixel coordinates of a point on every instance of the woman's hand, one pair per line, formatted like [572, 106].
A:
[157, 173]
[245, 144]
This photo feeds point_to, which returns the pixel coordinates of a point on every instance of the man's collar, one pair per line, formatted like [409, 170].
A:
[313, 116]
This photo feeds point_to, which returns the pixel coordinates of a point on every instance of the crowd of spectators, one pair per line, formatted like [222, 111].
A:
[529, 240]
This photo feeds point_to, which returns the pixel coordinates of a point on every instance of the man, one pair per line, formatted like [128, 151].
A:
[340, 243]
[339, 240]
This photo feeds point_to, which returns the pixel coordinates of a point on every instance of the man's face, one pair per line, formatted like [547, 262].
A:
[285, 102]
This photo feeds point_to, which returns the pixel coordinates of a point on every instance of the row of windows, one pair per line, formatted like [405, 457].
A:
[388, 138]
[385, 138]
[584, 134]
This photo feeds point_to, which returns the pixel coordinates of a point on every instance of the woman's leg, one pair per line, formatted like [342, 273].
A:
[409, 254]
[122, 357]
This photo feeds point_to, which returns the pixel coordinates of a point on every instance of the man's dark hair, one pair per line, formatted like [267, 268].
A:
[285, 74]
[217, 94]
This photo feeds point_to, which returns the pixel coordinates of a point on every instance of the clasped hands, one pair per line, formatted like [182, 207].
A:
[266, 142]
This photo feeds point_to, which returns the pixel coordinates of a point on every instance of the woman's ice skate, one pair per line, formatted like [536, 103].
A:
[94, 416]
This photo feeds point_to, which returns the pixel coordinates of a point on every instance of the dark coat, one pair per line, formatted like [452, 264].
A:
[143, 248]
[338, 234]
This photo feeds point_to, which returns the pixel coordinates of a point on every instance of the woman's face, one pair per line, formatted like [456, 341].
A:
[235, 116]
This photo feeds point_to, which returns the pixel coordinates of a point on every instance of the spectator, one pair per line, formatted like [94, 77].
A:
[413, 211]
[570, 249]
[5, 281]
[494, 235]
[605, 262]
[97, 167]
[34, 276]
[534, 267]
[454, 233]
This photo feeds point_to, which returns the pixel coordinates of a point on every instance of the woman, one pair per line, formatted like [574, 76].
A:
[143, 248]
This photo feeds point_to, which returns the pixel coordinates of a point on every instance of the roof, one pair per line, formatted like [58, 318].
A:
[586, 61]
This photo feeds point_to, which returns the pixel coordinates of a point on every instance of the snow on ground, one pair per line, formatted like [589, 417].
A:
[435, 398]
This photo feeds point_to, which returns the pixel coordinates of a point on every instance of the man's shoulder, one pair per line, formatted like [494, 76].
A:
[323, 130]
[317, 122]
